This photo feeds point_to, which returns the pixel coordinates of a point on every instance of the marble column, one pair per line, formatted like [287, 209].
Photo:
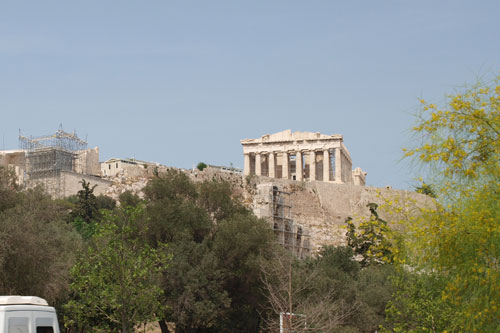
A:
[326, 165]
[258, 165]
[298, 166]
[338, 166]
[246, 168]
[312, 165]
[285, 166]
[272, 165]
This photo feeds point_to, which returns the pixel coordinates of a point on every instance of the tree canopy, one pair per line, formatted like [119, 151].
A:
[455, 246]
[216, 244]
[115, 281]
[37, 246]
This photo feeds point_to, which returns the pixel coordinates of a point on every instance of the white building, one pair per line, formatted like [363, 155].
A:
[301, 156]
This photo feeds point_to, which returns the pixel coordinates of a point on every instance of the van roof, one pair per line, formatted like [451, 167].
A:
[12, 300]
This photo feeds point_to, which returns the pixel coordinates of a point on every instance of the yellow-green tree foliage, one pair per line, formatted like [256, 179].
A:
[372, 241]
[460, 238]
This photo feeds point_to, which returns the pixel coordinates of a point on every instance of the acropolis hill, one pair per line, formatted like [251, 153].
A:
[301, 182]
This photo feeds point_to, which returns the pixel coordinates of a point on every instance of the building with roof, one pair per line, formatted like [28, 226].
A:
[302, 156]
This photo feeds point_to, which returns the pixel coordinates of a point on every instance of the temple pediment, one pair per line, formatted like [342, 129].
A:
[289, 136]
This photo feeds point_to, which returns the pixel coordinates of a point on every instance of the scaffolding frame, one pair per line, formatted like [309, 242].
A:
[290, 235]
[47, 156]
[60, 139]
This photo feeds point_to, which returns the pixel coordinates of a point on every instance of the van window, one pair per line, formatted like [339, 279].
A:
[44, 325]
[18, 325]
[44, 329]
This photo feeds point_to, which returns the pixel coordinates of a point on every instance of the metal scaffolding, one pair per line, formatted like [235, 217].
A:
[290, 235]
[47, 156]
[60, 139]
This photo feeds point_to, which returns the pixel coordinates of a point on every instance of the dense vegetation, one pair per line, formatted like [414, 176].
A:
[187, 253]
[192, 258]
[453, 249]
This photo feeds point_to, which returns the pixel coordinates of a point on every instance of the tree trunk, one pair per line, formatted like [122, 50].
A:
[124, 322]
[163, 326]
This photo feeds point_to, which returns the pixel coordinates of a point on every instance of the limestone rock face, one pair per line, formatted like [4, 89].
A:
[321, 208]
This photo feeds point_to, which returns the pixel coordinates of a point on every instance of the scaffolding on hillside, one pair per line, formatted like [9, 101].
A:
[47, 156]
[290, 235]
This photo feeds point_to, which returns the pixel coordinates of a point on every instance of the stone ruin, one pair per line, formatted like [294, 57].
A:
[301, 156]
[57, 162]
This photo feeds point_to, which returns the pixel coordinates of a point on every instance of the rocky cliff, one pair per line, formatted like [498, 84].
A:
[320, 208]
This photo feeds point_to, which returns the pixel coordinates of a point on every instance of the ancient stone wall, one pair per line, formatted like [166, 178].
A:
[66, 183]
[320, 207]
[87, 162]
[16, 161]
[72, 183]
[130, 168]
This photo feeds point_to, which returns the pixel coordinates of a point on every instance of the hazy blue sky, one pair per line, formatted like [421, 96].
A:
[178, 82]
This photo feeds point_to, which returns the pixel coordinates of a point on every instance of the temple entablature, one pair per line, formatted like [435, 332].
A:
[300, 156]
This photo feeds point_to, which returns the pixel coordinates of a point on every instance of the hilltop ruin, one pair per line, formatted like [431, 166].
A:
[57, 162]
[301, 156]
[305, 203]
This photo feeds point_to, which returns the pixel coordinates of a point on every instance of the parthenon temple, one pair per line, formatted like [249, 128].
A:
[301, 156]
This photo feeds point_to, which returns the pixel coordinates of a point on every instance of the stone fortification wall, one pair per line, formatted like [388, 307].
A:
[13, 157]
[58, 181]
[87, 162]
[66, 183]
[16, 161]
[130, 169]
[234, 178]
[135, 182]
[320, 207]
[72, 183]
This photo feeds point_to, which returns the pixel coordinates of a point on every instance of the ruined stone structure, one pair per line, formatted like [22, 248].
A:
[224, 168]
[14, 160]
[301, 156]
[321, 208]
[129, 166]
[57, 162]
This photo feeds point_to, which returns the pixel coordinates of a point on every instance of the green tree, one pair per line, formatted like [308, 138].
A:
[362, 292]
[213, 283]
[86, 205]
[129, 199]
[193, 288]
[328, 293]
[115, 282]
[458, 239]
[425, 189]
[417, 305]
[192, 285]
[216, 197]
[374, 289]
[87, 209]
[201, 166]
[37, 247]
[104, 202]
[372, 240]
[8, 189]
[241, 243]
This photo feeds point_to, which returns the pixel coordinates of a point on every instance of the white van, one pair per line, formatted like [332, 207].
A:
[27, 314]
